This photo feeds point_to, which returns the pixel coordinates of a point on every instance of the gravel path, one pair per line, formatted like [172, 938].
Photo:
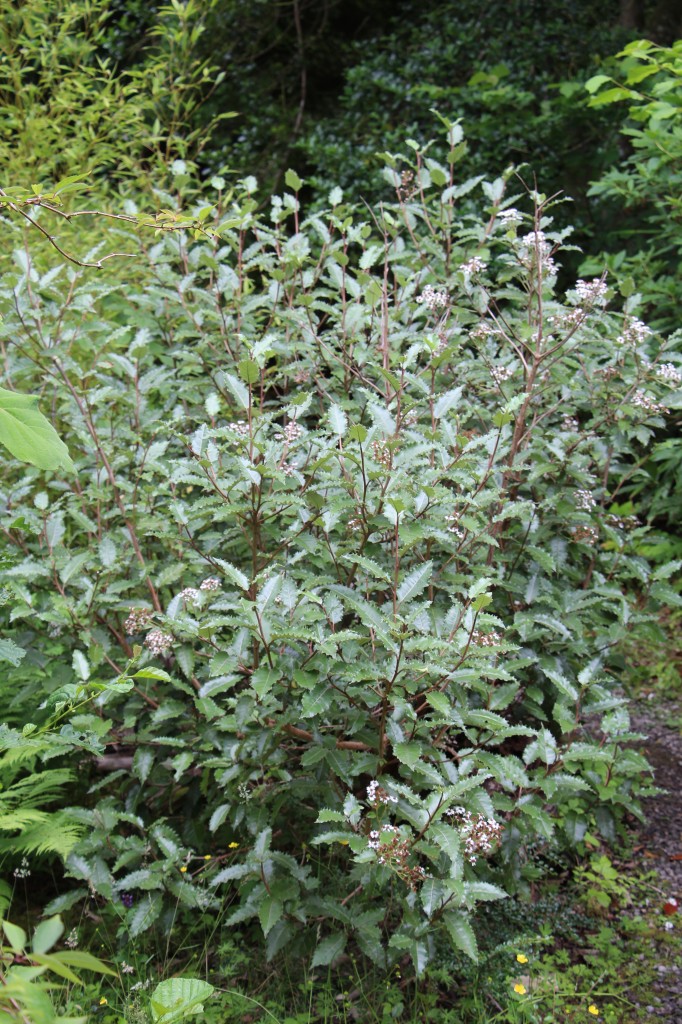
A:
[661, 837]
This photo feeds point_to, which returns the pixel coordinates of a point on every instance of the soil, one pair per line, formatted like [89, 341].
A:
[661, 837]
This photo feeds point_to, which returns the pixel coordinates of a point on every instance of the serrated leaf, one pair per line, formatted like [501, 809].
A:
[269, 913]
[461, 934]
[338, 421]
[415, 582]
[145, 914]
[328, 950]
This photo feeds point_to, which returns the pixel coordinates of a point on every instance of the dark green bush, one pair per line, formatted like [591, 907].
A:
[347, 501]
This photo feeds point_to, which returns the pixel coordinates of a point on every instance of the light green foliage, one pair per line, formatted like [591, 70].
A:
[389, 449]
[28, 435]
[178, 998]
[648, 80]
[22, 996]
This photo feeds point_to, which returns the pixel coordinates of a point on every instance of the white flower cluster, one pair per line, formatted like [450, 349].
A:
[376, 795]
[501, 373]
[355, 523]
[71, 940]
[432, 299]
[291, 433]
[584, 500]
[138, 619]
[669, 373]
[23, 871]
[158, 642]
[480, 834]
[475, 265]
[483, 330]
[634, 332]
[622, 522]
[509, 217]
[190, 595]
[591, 291]
[568, 319]
[649, 404]
[492, 639]
[535, 250]
[453, 520]
[381, 453]
[585, 534]
[570, 424]
[210, 583]
[240, 427]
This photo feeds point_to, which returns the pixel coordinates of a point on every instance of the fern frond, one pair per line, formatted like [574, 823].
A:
[56, 834]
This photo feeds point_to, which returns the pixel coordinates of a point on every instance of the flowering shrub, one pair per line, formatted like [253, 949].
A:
[348, 501]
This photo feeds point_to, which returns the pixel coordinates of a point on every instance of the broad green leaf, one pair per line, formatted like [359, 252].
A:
[176, 998]
[269, 913]
[10, 652]
[46, 934]
[328, 950]
[415, 582]
[28, 435]
[461, 933]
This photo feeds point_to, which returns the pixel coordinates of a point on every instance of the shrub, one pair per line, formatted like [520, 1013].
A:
[353, 481]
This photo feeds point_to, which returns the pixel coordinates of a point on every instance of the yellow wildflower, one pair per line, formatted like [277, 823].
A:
[593, 1010]
[521, 958]
[520, 989]
[207, 856]
[103, 1001]
[232, 846]
[183, 868]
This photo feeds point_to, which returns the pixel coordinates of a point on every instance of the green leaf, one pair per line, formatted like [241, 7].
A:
[84, 961]
[269, 913]
[16, 936]
[338, 420]
[407, 753]
[328, 950]
[293, 181]
[176, 998]
[28, 435]
[46, 934]
[415, 582]
[10, 652]
[461, 933]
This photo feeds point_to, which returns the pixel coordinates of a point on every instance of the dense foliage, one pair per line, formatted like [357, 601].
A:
[314, 635]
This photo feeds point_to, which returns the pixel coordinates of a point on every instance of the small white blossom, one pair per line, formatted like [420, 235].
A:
[669, 373]
[591, 292]
[432, 299]
[210, 583]
[158, 642]
[535, 250]
[648, 404]
[634, 332]
[584, 500]
[475, 265]
[190, 595]
[501, 373]
[138, 619]
[570, 425]
[509, 217]
[71, 940]
[291, 433]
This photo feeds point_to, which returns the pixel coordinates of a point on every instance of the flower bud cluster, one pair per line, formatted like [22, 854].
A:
[190, 595]
[535, 250]
[376, 795]
[381, 453]
[138, 619]
[492, 639]
[454, 527]
[240, 427]
[634, 332]
[622, 522]
[591, 291]
[393, 851]
[210, 583]
[584, 500]
[669, 373]
[501, 373]
[585, 534]
[473, 266]
[158, 642]
[480, 834]
[570, 424]
[432, 299]
[648, 404]
[291, 433]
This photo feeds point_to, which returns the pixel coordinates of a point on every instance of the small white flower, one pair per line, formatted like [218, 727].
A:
[475, 265]
[158, 642]
[432, 299]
